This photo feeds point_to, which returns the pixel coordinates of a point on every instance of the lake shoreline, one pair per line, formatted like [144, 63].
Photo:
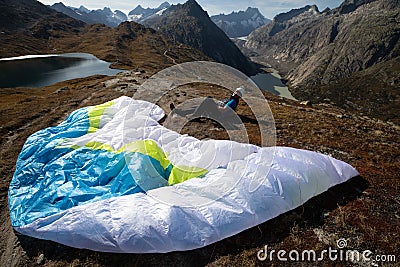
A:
[46, 69]
[270, 80]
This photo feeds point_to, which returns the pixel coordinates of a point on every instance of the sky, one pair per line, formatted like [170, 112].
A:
[269, 8]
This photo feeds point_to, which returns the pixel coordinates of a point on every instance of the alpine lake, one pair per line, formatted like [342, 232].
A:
[43, 70]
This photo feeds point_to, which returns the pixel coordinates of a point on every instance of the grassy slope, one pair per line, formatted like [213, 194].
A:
[365, 211]
[129, 46]
[374, 91]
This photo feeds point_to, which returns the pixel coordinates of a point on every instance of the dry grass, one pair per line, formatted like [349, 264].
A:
[364, 210]
[129, 46]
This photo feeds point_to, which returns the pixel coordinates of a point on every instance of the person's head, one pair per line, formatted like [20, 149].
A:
[238, 92]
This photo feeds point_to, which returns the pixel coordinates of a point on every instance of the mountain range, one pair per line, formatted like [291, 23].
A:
[317, 51]
[242, 23]
[107, 16]
[236, 24]
[102, 16]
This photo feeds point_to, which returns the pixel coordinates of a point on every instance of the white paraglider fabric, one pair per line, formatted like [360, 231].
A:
[111, 178]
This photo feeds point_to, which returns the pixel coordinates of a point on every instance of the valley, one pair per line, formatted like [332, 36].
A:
[336, 49]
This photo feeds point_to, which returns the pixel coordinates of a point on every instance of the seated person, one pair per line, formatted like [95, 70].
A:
[212, 109]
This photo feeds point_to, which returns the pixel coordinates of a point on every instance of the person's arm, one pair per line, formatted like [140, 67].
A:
[232, 103]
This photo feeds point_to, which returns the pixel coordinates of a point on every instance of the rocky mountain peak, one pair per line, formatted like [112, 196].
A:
[242, 23]
[193, 9]
[107, 10]
[349, 6]
[140, 14]
[306, 11]
[253, 11]
[286, 20]
[83, 9]
[189, 24]
[136, 10]
[59, 4]
[164, 5]
[326, 10]
[192, 3]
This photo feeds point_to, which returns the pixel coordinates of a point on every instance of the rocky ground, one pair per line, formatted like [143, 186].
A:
[364, 211]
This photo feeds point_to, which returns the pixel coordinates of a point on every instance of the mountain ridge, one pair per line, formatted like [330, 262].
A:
[22, 15]
[100, 16]
[107, 16]
[27, 25]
